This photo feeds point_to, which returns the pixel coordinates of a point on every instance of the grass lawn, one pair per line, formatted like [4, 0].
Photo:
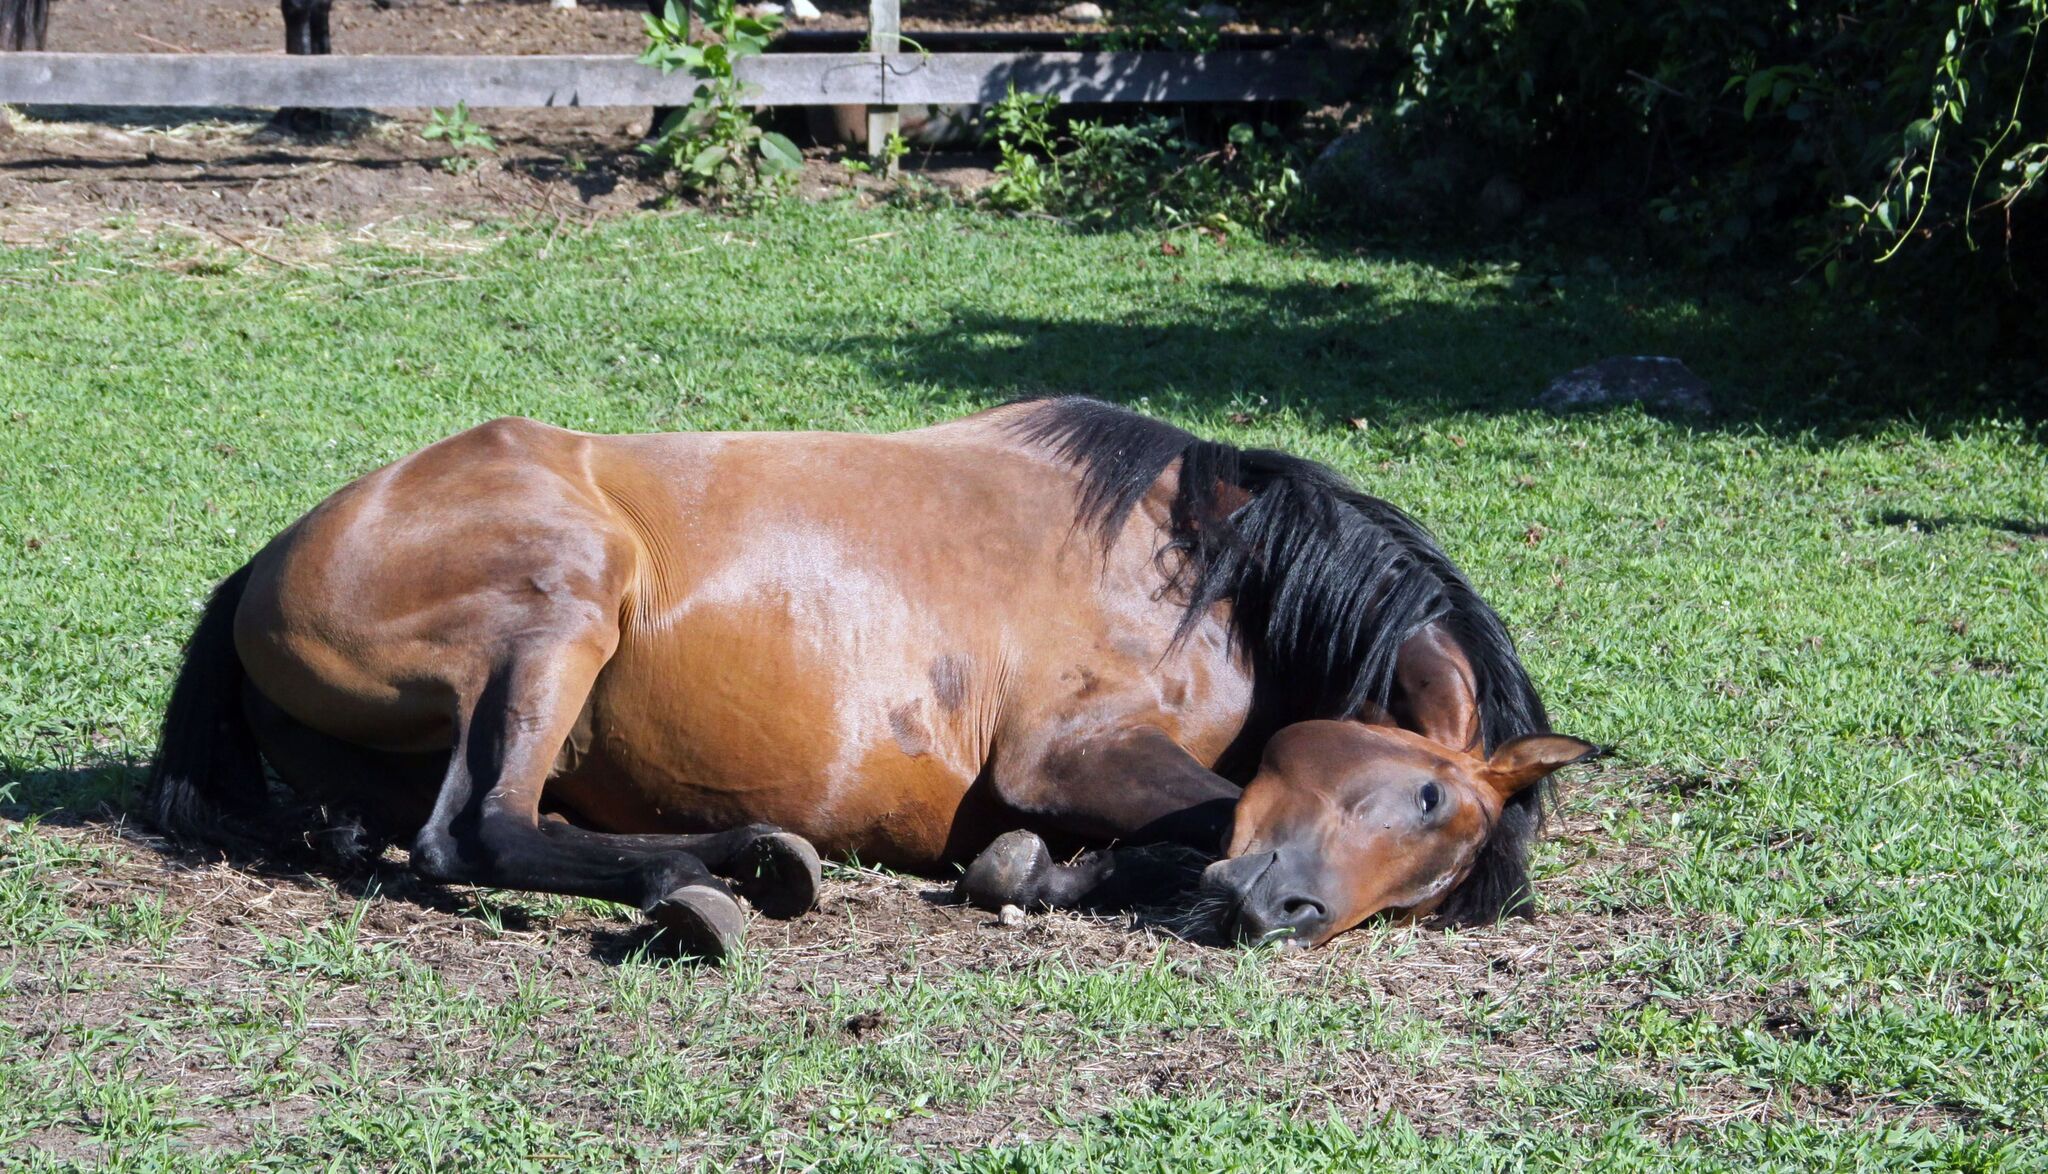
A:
[1799, 921]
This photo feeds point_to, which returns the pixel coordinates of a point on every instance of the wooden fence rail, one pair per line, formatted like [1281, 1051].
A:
[778, 79]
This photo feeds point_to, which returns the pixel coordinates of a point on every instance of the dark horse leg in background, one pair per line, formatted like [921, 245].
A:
[305, 27]
[305, 34]
[24, 25]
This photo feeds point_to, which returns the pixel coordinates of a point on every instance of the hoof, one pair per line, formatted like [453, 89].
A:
[1010, 871]
[778, 874]
[700, 920]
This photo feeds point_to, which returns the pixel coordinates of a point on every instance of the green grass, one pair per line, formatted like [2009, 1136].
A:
[1804, 915]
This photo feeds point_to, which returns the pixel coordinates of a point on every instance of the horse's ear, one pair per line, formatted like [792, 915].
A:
[1435, 693]
[1522, 761]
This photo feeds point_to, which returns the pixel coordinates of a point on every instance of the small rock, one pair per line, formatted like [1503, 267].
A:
[1011, 916]
[1220, 13]
[1657, 380]
[562, 4]
[770, 9]
[1083, 13]
[804, 10]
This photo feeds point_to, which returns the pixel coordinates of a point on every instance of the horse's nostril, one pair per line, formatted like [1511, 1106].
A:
[1301, 909]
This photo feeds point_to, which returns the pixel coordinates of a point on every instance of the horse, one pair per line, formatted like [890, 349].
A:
[668, 670]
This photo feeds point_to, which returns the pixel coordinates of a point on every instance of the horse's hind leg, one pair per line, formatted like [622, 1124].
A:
[486, 828]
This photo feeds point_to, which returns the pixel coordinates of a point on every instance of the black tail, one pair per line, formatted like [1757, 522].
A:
[208, 770]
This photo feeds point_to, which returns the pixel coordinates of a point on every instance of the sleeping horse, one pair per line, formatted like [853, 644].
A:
[664, 670]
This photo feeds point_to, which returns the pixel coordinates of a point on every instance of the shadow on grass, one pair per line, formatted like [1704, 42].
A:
[1475, 340]
[103, 796]
[2035, 529]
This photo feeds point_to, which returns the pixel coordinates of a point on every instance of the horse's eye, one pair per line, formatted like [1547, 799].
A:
[1429, 796]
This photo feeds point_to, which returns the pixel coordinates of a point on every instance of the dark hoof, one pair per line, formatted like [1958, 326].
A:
[778, 874]
[1010, 871]
[700, 920]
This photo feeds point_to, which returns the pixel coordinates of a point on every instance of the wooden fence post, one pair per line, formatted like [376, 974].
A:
[885, 31]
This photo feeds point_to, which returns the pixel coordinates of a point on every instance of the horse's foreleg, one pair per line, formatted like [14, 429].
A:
[485, 827]
[1133, 788]
[1018, 869]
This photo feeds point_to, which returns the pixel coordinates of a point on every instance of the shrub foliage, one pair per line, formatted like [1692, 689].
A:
[1892, 131]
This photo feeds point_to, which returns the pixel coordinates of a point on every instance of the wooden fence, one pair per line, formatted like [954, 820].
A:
[879, 78]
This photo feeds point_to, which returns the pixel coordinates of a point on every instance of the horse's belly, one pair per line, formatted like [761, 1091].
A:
[720, 722]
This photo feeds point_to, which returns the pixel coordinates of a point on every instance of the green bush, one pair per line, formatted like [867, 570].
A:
[1148, 168]
[1903, 132]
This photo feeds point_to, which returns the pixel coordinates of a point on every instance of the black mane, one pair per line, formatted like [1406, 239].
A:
[1325, 584]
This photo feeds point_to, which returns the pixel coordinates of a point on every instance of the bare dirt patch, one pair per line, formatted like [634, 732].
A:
[446, 26]
[72, 170]
[1530, 999]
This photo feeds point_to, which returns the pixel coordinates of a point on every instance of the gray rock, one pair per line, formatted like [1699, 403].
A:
[1220, 13]
[804, 10]
[562, 4]
[1083, 13]
[1654, 380]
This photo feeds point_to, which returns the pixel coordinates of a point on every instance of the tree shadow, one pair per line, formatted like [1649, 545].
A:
[1352, 353]
[2034, 529]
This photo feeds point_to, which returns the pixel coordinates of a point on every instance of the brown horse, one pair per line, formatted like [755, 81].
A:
[640, 667]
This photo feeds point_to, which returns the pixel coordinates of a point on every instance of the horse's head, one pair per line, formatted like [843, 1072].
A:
[1345, 820]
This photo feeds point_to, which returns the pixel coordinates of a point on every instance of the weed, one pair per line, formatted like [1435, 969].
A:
[457, 129]
[712, 144]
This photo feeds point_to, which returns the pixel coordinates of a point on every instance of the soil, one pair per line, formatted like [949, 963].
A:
[209, 172]
[443, 26]
[228, 174]
[1528, 997]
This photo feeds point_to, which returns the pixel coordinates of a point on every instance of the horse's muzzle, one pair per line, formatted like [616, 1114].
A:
[1266, 898]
